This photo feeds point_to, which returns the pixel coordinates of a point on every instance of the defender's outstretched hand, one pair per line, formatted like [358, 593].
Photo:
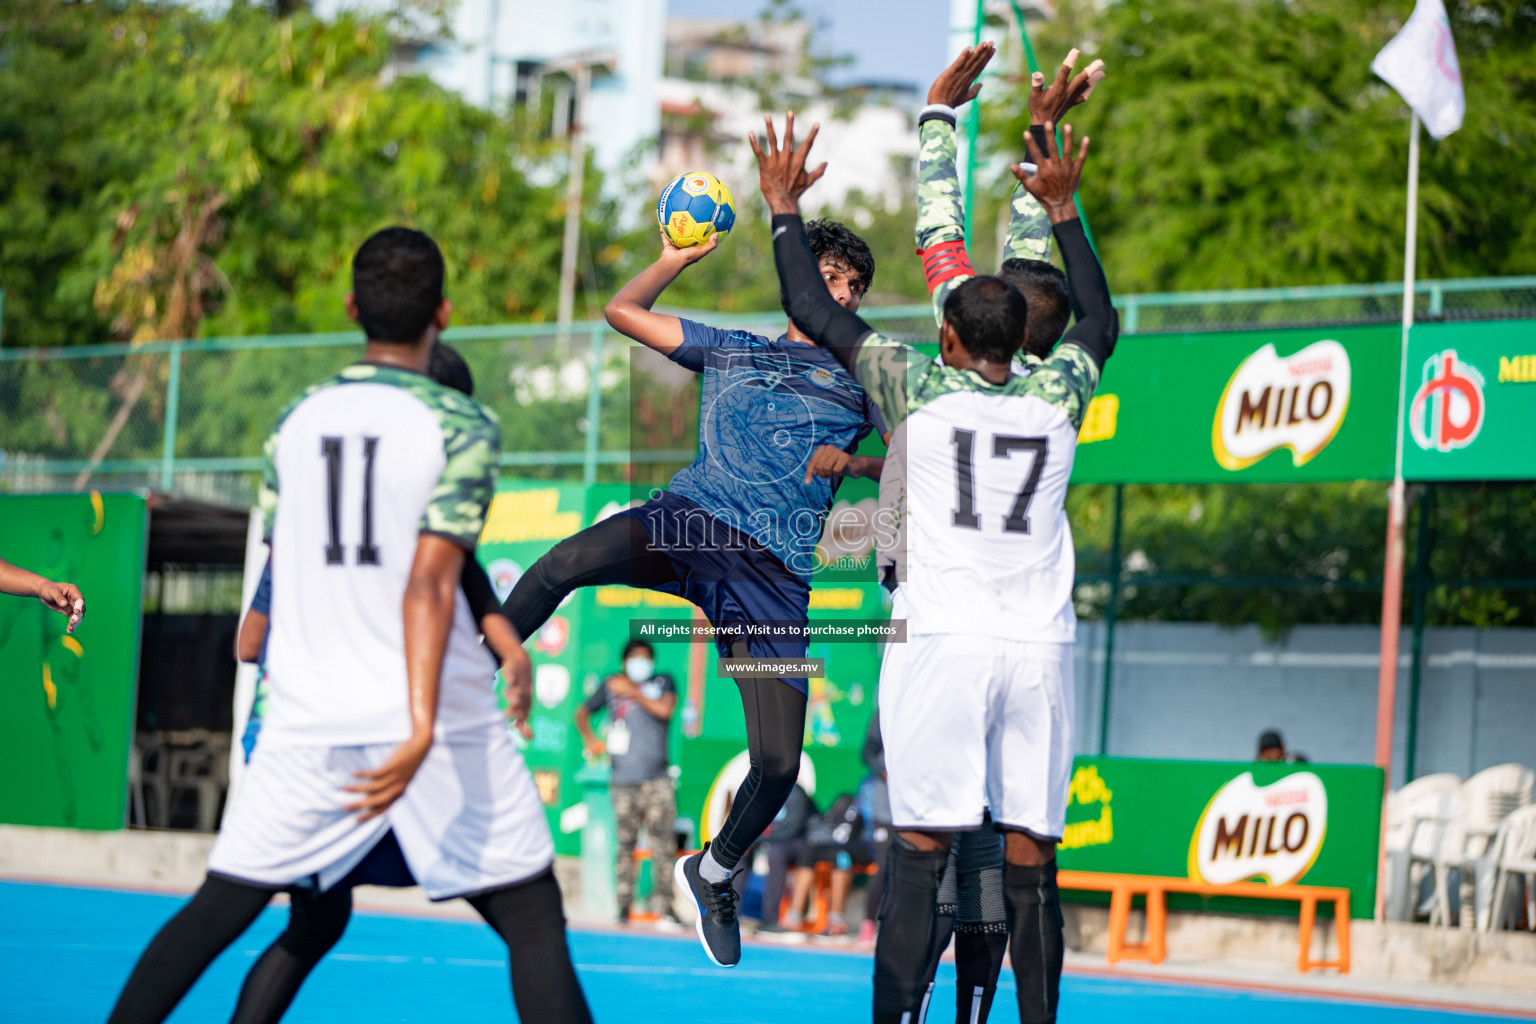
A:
[1055, 181]
[781, 173]
[1066, 92]
[957, 83]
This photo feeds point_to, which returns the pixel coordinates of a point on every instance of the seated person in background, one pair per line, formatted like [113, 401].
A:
[1271, 746]
[640, 703]
[785, 844]
[835, 838]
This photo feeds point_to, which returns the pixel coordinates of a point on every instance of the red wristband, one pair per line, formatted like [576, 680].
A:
[945, 262]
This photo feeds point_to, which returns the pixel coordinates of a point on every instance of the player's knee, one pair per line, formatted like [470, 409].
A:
[316, 923]
[557, 569]
[1025, 850]
[779, 773]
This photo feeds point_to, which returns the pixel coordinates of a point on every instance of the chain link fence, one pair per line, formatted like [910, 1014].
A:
[191, 417]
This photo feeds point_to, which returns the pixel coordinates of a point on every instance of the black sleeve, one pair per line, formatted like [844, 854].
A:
[478, 590]
[1037, 132]
[1098, 325]
[811, 306]
[874, 746]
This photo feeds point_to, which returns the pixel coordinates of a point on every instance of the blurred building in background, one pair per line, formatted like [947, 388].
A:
[722, 77]
[667, 95]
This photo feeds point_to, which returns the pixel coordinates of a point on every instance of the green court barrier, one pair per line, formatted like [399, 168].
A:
[67, 701]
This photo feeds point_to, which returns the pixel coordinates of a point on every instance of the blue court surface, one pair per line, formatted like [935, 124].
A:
[65, 951]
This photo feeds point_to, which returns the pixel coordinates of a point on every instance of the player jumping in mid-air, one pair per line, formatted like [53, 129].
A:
[984, 565]
[971, 904]
[736, 532]
[382, 725]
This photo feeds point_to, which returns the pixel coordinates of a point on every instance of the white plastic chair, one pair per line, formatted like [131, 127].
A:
[1485, 800]
[1422, 809]
[1514, 854]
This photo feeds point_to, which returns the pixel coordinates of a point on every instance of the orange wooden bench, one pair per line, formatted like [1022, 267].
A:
[1123, 888]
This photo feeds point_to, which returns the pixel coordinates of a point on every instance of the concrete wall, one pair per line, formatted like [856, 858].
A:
[1199, 691]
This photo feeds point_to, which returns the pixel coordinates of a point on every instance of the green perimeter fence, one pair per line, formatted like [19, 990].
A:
[191, 416]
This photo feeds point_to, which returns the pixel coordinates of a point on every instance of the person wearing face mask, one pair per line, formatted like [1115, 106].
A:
[639, 702]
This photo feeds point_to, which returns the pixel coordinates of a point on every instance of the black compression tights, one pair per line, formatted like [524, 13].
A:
[615, 551]
[775, 713]
[315, 924]
[184, 948]
[531, 921]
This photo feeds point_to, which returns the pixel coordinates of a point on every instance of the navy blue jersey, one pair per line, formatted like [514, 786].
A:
[767, 406]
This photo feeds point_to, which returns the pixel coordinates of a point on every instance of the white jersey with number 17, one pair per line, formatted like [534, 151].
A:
[972, 514]
[356, 471]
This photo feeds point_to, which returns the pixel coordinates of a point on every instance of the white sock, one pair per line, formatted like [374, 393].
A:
[711, 870]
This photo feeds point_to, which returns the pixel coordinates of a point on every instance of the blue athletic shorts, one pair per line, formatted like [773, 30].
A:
[731, 577]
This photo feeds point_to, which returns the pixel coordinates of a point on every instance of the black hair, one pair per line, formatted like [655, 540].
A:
[397, 283]
[1045, 289]
[636, 645]
[832, 242]
[450, 370]
[989, 316]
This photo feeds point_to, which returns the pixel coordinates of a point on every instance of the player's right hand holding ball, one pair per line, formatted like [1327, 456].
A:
[685, 257]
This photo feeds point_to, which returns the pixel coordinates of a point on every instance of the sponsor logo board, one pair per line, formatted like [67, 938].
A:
[1273, 402]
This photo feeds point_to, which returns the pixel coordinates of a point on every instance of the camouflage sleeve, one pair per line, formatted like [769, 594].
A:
[940, 209]
[892, 373]
[1067, 380]
[940, 213]
[472, 446]
[1029, 229]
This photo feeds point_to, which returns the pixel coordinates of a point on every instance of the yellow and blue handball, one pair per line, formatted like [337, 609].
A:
[694, 206]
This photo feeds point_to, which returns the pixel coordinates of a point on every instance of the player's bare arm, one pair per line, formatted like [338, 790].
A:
[516, 669]
[629, 312]
[428, 608]
[589, 739]
[253, 635]
[64, 598]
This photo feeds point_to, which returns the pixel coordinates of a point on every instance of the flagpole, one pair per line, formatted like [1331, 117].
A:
[1392, 584]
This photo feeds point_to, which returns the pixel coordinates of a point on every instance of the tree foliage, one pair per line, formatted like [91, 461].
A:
[121, 123]
[1246, 143]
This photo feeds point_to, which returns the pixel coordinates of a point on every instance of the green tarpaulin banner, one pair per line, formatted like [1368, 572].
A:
[1244, 407]
[1223, 822]
[1471, 402]
[66, 701]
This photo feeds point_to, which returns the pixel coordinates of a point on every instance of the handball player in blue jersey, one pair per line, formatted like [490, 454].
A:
[736, 532]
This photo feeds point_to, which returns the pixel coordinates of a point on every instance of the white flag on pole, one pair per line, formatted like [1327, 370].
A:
[1420, 63]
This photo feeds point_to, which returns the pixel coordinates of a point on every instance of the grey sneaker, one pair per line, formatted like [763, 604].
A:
[718, 929]
[776, 932]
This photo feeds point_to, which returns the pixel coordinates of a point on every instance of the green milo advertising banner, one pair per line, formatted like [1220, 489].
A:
[581, 645]
[1223, 822]
[66, 701]
[1244, 407]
